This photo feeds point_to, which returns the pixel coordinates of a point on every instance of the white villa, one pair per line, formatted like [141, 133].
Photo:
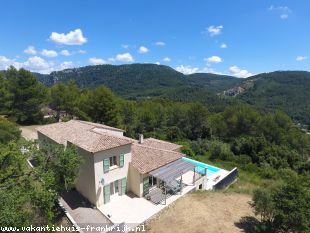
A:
[115, 166]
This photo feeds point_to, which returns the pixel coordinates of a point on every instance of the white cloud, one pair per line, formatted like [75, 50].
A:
[236, 71]
[284, 11]
[65, 53]
[66, 65]
[160, 43]
[284, 16]
[30, 50]
[167, 59]
[49, 53]
[223, 46]
[111, 59]
[215, 30]
[96, 61]
[213, 59]
[187, 69]
[38, 64]
[5, 63]
[125, 57]
[143, 50]
[301, 58]
[81, 51]
[35, 64]
[125, 46]
[72, 38]
[157, 63]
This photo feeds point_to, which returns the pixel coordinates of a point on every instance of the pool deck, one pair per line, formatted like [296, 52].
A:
[134, 210]
[215, 178]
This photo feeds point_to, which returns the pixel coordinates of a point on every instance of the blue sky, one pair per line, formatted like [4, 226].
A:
[238, 37]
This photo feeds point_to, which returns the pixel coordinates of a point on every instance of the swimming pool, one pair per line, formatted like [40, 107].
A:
[200, 167]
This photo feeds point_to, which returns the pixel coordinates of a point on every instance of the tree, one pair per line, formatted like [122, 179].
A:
[101, 105]
[284, 209]
[292, 205]
[26, 96]
[240, 120]
[65, 97]
[263, 205]
[196, 126]
[5, 96]
[58, 166]
[8, 131]
[16, 188]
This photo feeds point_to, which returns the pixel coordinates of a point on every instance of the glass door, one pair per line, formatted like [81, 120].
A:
[116, 188]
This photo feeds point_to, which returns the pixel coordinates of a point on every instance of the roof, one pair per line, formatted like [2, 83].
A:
[173, 170]
[81, 134]
[146, 159]
[160, 144]
[101, 125]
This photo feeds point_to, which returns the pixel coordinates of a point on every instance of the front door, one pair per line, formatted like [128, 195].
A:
[114, 189]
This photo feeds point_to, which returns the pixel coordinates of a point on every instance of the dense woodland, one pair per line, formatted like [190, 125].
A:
[288, 91]
[282, 90]
[270, 151]
[136, 80]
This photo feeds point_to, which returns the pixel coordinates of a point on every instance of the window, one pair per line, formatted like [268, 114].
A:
[123, 186]
[106, 165]
[121, 160]
[113, 161]
[152, 181]
[106, 196]
[146, 186]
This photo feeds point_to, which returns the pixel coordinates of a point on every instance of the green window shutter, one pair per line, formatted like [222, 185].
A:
[121, 160]
[106, 165]
[146, 186]
[106, 193]
[123, 185]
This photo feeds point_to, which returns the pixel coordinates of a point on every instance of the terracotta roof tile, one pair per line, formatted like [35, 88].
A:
[160, 144]
[146, 159]
[80, 133]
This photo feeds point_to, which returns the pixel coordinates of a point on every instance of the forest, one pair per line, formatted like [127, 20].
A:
[269, 149]
[280, 90]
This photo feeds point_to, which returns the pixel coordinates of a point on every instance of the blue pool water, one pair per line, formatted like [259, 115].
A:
[200, 167]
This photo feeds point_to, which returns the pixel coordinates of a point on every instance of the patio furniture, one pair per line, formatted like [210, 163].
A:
[216, 178]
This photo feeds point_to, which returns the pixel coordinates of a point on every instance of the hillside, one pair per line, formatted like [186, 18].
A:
[214, 82]
[138, 80]
[284, 90]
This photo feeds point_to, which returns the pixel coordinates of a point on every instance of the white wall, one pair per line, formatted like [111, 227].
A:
[85, 182]
[135, 181]
[112, 175]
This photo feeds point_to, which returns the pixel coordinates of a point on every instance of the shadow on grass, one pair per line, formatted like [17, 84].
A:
[248, 224]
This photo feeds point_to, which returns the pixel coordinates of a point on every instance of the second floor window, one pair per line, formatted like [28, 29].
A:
[113, 161]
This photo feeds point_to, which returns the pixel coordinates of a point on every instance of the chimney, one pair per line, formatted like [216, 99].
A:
[140, 138]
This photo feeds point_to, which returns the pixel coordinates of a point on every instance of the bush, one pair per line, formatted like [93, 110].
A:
[220, 150]
[285, 209]
[8, 131]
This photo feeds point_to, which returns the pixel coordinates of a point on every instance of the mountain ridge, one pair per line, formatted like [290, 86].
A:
[287, 91]
[136, 80]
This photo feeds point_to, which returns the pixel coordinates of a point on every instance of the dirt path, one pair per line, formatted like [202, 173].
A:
[204, 213]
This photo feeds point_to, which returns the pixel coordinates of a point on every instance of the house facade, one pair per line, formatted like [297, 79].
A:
[113, 164]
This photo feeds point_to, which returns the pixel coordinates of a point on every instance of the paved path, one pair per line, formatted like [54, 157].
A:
[82, 211]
